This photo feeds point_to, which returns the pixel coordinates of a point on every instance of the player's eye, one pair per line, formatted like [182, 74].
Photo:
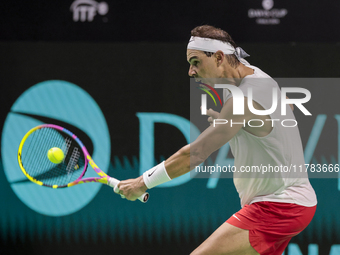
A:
[194, 63]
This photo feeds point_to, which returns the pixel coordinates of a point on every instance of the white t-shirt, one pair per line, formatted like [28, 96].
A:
[281, 148]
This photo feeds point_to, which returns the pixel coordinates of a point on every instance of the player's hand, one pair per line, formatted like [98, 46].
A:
[212, 115]
[131, 189]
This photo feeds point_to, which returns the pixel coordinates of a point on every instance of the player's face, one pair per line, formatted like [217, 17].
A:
[201, 66]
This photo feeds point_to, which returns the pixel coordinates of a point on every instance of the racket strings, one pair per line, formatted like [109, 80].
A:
[37, 164]
[40, 163]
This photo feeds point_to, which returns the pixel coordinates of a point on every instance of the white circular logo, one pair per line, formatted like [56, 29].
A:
[54, 100]
[103, 8]
[267, 4]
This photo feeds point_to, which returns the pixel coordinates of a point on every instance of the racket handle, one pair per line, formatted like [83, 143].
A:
[113, 182]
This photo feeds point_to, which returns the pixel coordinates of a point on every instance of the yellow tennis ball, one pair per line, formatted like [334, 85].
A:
[55, 155]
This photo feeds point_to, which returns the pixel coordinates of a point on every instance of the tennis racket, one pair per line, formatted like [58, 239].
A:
[38, 168]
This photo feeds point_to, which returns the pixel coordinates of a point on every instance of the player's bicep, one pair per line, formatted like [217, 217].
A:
[219, 133]
[213, 138]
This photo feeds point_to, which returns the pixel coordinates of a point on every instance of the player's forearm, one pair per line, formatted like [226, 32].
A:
[178, 164]
[183, 161]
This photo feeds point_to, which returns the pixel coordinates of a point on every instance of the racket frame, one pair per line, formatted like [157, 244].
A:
[104, 178]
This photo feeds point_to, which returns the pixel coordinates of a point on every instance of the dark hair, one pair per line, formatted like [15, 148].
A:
[211, 32]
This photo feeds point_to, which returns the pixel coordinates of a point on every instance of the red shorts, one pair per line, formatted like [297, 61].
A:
[271, 225]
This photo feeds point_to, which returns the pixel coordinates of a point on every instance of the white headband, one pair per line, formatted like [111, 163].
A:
[212, 45]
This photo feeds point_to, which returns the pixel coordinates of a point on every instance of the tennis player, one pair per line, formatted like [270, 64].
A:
[275, 207]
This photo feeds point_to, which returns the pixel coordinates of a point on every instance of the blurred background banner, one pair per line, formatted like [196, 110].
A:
[169, 21]
[115, 72]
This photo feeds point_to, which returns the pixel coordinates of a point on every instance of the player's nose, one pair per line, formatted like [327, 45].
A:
[191, 72]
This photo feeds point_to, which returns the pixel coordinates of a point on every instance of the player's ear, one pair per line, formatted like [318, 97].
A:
[219, 56]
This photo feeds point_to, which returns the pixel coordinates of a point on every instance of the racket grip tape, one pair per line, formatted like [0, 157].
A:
[113, 182]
